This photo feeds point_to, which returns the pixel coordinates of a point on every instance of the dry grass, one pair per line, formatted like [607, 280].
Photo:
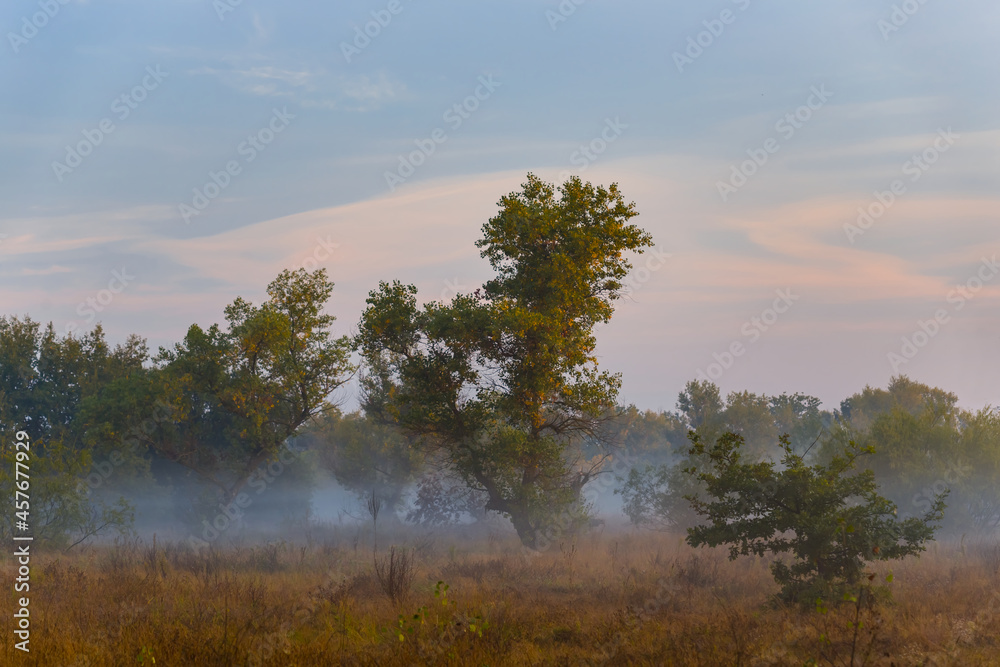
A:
[618, 599]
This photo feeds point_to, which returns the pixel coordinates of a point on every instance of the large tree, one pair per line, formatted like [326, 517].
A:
[503, 382]
[238, 394]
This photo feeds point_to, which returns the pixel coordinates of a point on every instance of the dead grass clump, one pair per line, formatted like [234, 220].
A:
[361, 586]
[154, 560]
[123, 555]
[395, 573]
[987, 552]
[474, 570]
[181, 556]
[477, 570]
[700, 570]
[268, 557]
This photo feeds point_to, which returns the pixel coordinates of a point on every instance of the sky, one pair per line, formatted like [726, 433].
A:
[820, 179]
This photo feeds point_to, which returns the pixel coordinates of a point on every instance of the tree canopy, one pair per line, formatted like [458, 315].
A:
[504, 380]
[830, 518]
[238, 394]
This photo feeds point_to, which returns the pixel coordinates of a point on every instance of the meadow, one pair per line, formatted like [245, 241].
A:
[613, 597]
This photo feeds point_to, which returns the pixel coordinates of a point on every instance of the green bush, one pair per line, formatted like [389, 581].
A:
[829, 517]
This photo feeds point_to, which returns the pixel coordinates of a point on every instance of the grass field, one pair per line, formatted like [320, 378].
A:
[616, 598]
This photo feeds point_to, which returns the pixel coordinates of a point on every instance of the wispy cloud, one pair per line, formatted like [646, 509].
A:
[52, 270]
[309, 87]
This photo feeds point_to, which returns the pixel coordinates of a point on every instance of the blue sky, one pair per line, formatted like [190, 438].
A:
[748, 133]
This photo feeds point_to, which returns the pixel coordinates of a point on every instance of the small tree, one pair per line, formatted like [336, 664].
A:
[444, 501]
[657, 495]
[829, 517]
[365, 456]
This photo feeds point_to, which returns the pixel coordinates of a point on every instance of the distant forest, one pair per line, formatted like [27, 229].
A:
[111, 422]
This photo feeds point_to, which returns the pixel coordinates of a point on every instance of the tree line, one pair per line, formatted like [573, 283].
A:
[490, 402]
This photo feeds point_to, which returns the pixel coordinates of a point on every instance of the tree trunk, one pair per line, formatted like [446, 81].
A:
[525, 531]
[518, 515]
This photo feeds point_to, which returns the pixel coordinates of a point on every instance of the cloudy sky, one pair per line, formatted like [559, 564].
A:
[821, 179]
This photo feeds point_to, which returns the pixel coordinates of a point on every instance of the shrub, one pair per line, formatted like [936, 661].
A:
[829, 517]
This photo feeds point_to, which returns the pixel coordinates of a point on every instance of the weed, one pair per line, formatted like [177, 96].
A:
[395, 573]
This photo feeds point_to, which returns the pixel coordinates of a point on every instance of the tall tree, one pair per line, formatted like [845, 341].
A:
[749, 415]
[702, 406]
[862, 408]
[237, 395]
[504, 381]
[647, 436]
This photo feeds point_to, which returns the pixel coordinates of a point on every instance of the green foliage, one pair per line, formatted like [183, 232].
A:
[364, 455]
[702, 407]
[830, 517]
[656, 494]
[146, 656]
[502, 383]
[848, 633]
[800, 417]
[925, 444]
[440, 501]
[439, 630]
[238, 394]
[644, 436]
[860, 409]
[648, 500]
[973, 475]
[47, 383]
